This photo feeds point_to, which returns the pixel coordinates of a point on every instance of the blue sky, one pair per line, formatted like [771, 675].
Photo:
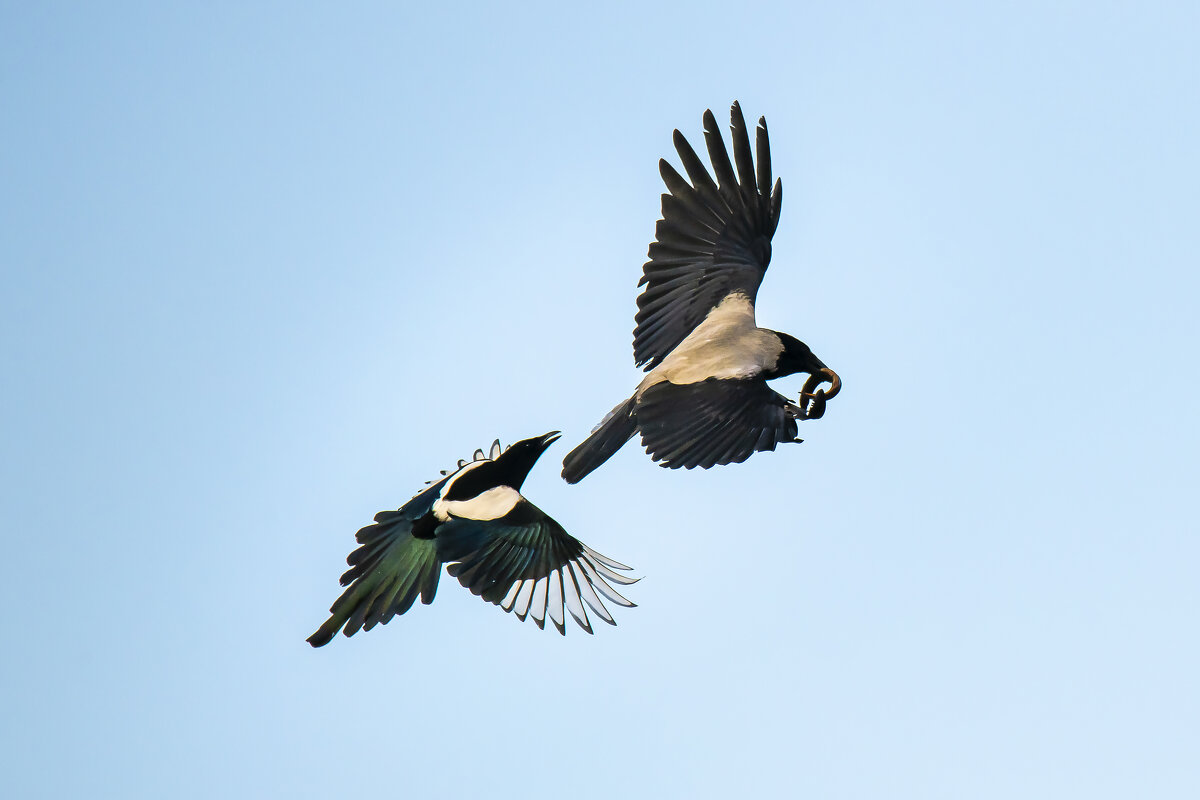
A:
[268, 268]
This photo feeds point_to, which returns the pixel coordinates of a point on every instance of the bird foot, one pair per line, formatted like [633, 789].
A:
[812, 399]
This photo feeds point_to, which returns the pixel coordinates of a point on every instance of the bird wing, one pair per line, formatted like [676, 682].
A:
[387, 572]
[526, 563]
[714, 237]
[716, 421]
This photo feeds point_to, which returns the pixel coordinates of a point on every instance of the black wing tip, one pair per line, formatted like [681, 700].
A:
[323, 636]
[737, 118]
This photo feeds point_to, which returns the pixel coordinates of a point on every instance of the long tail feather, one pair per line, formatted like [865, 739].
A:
[608, 437]
[392, 570]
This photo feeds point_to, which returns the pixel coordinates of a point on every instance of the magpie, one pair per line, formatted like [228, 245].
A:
[706, 400]
[498, 544]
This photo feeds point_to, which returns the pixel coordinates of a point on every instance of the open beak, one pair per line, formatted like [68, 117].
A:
[550, 438]
[812, 399]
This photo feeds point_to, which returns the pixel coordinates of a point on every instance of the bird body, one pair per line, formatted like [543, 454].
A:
[726, 345]
[502, 547]
[705, 400]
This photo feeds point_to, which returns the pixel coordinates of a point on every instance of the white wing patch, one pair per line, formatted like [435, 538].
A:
[492, 504]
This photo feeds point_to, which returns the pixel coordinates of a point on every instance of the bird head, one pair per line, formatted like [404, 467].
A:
[519, 459]
[797, 357]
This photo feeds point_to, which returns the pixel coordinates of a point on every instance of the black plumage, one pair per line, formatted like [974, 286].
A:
[494, 541]
[705, 400]
[712, 422]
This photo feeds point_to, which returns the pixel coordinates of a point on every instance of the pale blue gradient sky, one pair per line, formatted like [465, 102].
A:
[267, 269]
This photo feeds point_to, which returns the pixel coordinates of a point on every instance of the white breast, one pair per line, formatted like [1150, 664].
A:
[727, 344]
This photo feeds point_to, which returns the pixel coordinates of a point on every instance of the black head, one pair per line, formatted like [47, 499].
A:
[796, 357]
[516, 462]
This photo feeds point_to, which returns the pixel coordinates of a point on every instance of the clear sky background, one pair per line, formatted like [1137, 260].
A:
[267, 268]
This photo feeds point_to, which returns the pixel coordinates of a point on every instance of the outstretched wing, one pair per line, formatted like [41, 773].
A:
[526, 563]
[387, 572]
[713, 422]
[714, 237]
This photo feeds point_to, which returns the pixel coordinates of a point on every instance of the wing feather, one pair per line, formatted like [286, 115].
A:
[762, 146]
[572, 590]
[712, 422]
[596, 581]
[714, 237]
[727, 182]
[555, 602]
[747, 178]
[537, 608]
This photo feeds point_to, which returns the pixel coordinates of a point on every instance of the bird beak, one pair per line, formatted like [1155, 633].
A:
[835, 383]
[812, 400]
[549, 439]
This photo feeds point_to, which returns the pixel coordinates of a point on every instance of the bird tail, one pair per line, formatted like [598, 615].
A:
[387, 574]
[607, 438]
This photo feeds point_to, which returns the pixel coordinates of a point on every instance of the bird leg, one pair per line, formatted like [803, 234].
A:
[812, 400]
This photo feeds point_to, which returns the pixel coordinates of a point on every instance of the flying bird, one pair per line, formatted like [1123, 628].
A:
[706, 400]
[498, 544]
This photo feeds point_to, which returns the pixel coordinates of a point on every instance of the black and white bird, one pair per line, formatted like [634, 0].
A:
[706, 400]
[498, 544]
